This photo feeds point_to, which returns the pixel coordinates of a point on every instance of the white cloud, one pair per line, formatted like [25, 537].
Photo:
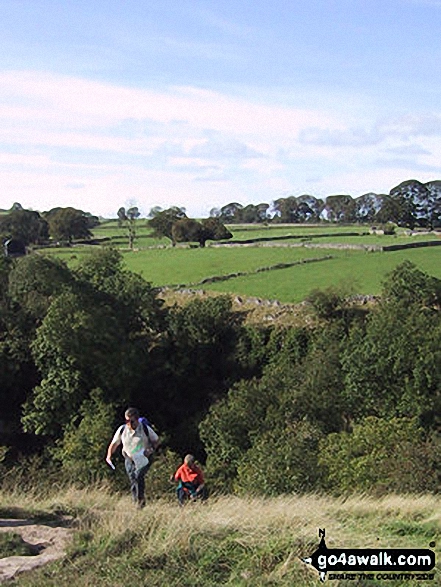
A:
[352, 137]
[72, 141]
[88, 103]
[408, 149]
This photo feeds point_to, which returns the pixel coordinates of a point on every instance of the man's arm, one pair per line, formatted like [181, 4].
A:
[115, 442]
[112, 448]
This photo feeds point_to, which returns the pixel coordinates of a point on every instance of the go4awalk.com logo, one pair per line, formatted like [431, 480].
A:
[371, 563]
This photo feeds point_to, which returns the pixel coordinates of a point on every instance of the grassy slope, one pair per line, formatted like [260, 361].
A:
[227, 541]
[354, 271]
[186, 266]
[361, 271]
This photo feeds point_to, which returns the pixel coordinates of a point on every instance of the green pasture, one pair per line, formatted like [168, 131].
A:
[70, 255]
[355, 271]
[315, 233]
[110, 229]
[381, 240]
[189, 266]
[324, 233]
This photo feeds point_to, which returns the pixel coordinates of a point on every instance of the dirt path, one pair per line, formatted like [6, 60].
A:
[50, 541]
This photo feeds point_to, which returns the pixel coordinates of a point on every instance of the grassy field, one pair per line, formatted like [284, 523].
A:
[321, 233]
[191, 266]
[356, 270]
[241, 231]
[232, 541]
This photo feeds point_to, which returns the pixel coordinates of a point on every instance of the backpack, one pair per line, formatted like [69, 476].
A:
[146, 424]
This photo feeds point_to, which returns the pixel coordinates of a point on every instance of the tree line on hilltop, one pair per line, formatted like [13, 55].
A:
[410, 204]
[351, 403]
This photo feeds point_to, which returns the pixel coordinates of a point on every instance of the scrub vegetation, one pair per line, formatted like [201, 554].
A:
[237, 541]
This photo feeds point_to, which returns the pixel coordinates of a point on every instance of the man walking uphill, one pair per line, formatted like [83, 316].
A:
[138, 442]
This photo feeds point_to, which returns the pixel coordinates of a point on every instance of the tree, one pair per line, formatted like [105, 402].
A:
[231, 213]
[215, 230]
[215, 212]
[309, 208]
[128, 219]
[286, 210]
[66, 224]
[162, 221]
[189, 230]
[17, 375]
[99, 333]
[194, 359]
[327, 303]
[340, 208]
[281, 460]
[277, 413]
[406, 196]
[253, 214]
[92, 221]
[408, 286]
[133, 299]
[367, 207]
[227, 430]
[34, 281]
[25, 225]
[392, 364]
[80, 450]
[311, 387]
[390, 210]
[434, 188]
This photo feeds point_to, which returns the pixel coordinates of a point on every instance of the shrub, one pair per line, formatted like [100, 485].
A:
[326, 303]
[381, 456]
[282, 461]
[388, 228]
[82, 449]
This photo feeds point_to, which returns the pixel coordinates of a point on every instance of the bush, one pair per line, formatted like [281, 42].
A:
[381, 456]
[157, 480]
[388, 228]
[281, 461]
[82, 450]
[326, 303]
[226, 430]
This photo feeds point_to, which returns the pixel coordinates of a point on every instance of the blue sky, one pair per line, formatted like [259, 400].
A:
[199, 103]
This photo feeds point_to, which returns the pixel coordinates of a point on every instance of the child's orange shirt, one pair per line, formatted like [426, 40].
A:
[189, 475]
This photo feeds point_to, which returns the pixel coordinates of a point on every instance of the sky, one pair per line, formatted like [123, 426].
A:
[196, 103]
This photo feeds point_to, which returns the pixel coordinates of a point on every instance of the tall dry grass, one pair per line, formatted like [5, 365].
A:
[226, 541]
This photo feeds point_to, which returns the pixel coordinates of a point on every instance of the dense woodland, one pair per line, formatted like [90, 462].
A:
[353, 403]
